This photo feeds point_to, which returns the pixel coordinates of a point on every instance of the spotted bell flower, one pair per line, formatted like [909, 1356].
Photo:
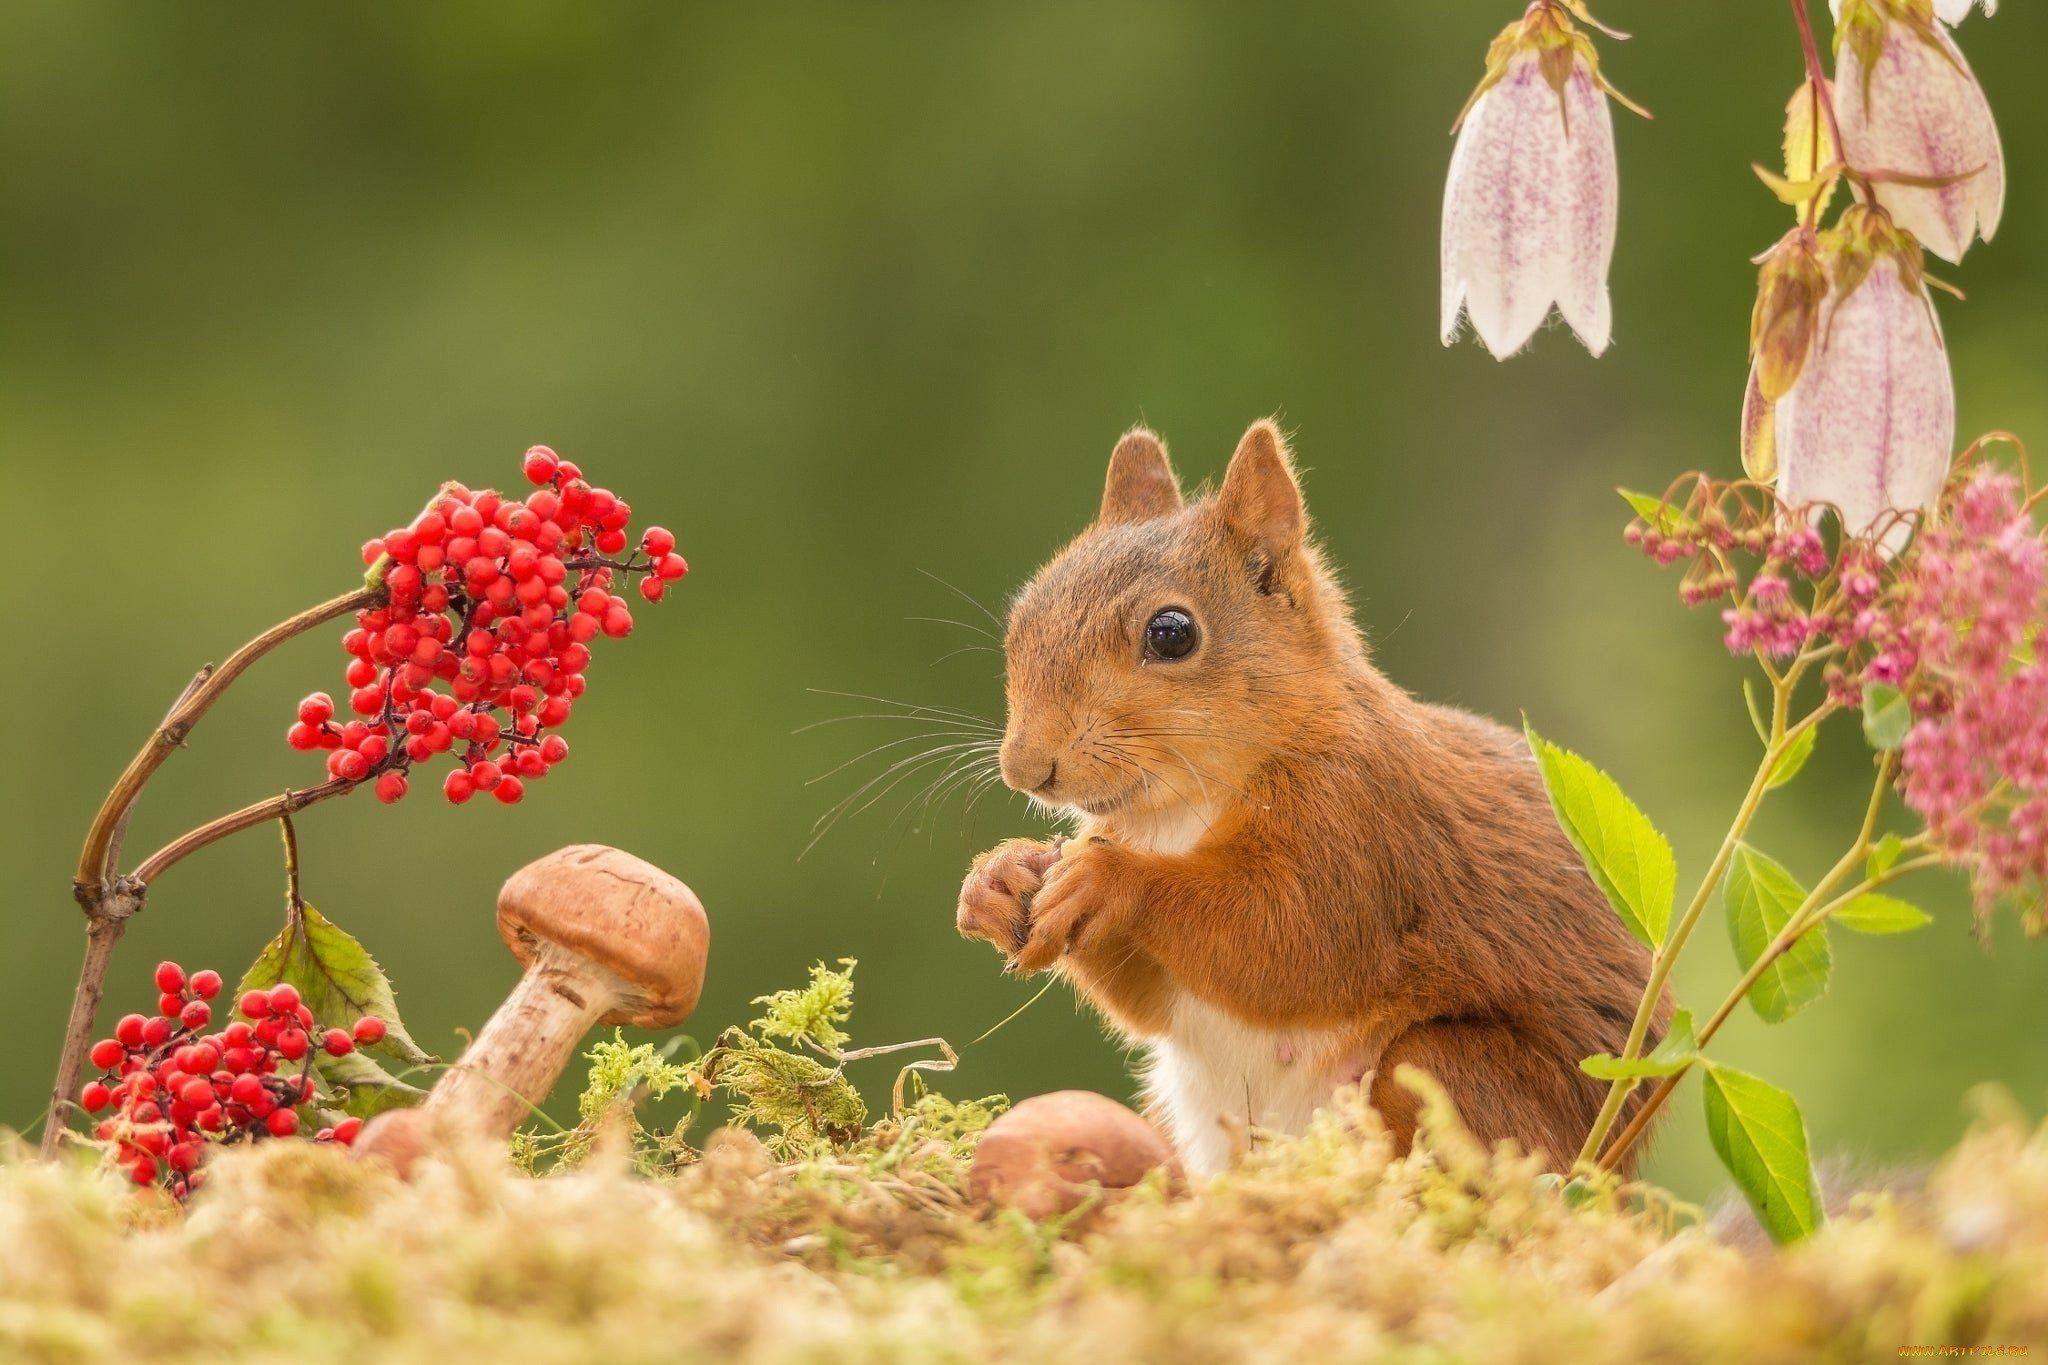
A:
[1915, 121]
[1532, 198]
[1867, 423]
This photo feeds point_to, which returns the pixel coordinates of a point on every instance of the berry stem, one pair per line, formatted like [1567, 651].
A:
[100, 937]
[257, 813]
[98, 859]
[110, 899]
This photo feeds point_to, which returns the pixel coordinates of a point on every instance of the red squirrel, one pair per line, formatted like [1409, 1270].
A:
[1286, 874]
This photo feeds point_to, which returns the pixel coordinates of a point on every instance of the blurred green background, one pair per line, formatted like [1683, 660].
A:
[848, 295]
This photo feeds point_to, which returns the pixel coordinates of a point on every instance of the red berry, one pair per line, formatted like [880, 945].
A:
[316, 709]
[652, 588]
[196, 1015]
[459, 786]
[196, 1093]
[303, 737]
[95, 1097]
[254, 1004]
[170, 978]
[246, 1089]
[107, 1054]
[347, 1130]
[509, 789]
[284, 998]
[369, 1029]
[672, 567]
[282, 1122]
[206, 985]
[293, 1044]
[390, 786]
[658, 541]
[130, 1030]
[337, 1043]
[554, 749]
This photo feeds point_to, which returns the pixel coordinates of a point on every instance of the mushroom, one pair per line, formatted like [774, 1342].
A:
[1043, 1156]
[605, 939]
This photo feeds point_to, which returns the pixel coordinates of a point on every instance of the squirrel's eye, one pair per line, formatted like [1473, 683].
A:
[1170, 634]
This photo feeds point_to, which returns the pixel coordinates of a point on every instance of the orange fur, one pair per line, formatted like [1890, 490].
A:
[1272, 828]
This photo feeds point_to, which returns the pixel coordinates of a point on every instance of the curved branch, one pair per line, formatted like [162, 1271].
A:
[98, 859]
[261, 812]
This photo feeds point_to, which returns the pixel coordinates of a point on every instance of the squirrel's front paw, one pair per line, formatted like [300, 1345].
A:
[1082, 892]
[995, 900]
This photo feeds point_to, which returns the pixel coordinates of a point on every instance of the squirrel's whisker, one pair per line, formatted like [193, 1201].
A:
[964, 625]
[966, 735]
[969, 598]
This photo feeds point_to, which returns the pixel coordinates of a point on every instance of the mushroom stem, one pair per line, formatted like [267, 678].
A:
[524, 1048]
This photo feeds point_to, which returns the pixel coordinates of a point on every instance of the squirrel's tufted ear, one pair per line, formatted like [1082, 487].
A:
[1260, 500]
[1141, 485]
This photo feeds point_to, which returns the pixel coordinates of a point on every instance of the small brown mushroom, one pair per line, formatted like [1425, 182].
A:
[605, 939]
[1043, 1156]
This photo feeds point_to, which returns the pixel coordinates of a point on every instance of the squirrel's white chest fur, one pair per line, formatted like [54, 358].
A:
[1212, 1077]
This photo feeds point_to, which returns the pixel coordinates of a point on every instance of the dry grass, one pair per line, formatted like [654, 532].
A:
[1312, 1250]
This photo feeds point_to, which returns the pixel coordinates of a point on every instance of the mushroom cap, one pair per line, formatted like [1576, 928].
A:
[1043, 1156]
[626, 917]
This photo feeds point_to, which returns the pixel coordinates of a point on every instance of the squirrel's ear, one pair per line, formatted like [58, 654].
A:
[1141, 485]
[1260, 500]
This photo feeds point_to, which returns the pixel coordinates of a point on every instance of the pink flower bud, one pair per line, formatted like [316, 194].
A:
[1909, 106]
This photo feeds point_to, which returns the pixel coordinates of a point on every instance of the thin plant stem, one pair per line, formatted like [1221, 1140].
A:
[1813, 911]
[1666, 956]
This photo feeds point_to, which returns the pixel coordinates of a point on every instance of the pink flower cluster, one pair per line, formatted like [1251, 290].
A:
[1957, 634]
[1951, 625]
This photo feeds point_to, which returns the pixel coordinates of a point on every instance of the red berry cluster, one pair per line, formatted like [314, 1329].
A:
[480, 644]
[174, 1087]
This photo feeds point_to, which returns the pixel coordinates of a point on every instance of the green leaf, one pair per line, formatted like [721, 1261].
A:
[1887, 716]
[1761, 897]
[1871, 913]
[1678, 1049]
[1793, 759]
[1656, 513]
[1760, 1136]
[340, 983]
[1629, 860]
[1884, 856]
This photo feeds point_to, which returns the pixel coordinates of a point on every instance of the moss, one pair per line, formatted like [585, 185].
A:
[824, 1237]
[1323, 1247]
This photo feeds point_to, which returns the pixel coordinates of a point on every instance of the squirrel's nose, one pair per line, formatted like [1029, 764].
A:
[1027, 768]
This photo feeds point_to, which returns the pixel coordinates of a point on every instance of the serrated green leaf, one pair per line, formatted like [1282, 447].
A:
[1658, 514]
[1760, 1136]
[1793, 759]
[336, 977]
[1887, 716]
[1628, 859]
[340, 983]
[1678, 1049]
[1761, 897]
[363, 1087]
[1884, 855]
[1871, 913]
